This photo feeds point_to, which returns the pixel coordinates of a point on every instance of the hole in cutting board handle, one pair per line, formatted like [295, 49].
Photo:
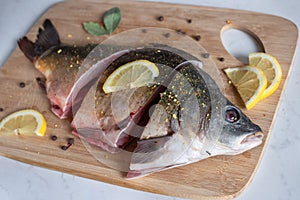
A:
[239, 42]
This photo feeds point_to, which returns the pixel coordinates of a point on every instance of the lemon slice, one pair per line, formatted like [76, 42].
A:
[131, 75]
[271, 68]
[23, 122]
[250, 83]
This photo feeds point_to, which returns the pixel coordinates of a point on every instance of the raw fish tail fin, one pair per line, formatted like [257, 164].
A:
[46, 38]
[27, 47]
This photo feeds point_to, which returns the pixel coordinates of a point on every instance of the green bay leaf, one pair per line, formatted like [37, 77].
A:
[94, 28]
[111, 19]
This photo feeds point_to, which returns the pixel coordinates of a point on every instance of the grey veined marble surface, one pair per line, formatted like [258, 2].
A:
[277, 178]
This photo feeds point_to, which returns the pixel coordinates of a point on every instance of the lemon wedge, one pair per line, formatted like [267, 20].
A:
[131, 75]
[250, 83]
[271, 68]
[24, 122]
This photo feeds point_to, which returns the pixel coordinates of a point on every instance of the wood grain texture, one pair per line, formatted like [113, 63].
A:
[221, 177]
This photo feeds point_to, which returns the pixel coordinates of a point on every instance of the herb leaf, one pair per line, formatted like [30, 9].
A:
[111, 19]
[94, 28]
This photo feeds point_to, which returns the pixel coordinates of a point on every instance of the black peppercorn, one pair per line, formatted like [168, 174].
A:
[64, 147]
[161, 18]
[21, 84]
[221, 59]
[197, 37]
[53, 137]
[71, 141]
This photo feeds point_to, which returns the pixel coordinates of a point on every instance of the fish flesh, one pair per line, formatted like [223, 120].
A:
[179, 119]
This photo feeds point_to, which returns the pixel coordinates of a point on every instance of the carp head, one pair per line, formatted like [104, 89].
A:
[238, 134]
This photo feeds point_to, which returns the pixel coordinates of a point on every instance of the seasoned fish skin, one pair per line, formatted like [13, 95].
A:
[60, 66]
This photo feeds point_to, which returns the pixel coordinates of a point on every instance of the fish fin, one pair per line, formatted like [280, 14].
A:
[149, 150]
[46, 38]
[132, 174]
[153, 144]
[27, 47]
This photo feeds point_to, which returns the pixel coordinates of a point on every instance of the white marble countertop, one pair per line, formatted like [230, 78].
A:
[278, 176]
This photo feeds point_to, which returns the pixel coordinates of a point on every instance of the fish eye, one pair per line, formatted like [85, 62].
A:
[232, 115]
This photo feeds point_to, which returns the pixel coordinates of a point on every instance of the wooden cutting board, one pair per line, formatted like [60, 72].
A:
[221, 177]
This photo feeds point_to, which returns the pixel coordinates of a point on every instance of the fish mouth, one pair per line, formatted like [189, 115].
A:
[254, 137]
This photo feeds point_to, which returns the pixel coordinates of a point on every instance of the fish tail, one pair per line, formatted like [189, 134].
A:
[46, 38]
